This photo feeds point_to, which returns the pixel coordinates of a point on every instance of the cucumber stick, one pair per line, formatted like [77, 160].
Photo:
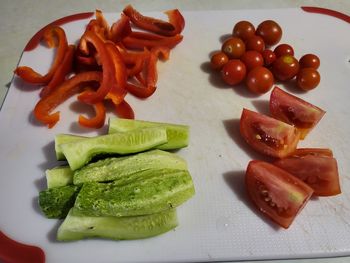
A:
[59, 176]
[115, 168]
[167, 189]
[80, 152]
[56, 202]
[178, 135]
[64, 138]
[76, 227]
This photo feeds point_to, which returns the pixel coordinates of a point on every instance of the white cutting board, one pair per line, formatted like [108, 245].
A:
[218, 223]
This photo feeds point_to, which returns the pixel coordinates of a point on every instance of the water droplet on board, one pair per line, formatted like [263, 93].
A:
[222, 223]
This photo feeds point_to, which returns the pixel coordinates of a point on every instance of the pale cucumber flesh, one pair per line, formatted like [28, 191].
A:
[76, 227]
[178, 135]
[115, 168]
[80, 152]
[64, 138]
[59, 176]
[168, 189]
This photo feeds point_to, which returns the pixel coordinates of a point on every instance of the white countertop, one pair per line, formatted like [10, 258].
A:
[21, 19]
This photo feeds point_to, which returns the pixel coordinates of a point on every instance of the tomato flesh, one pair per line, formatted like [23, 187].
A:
[294, 111]
[275, 192]
[316, 169]
[267, 135]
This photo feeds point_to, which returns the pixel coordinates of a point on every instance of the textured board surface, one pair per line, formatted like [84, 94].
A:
[218, 223]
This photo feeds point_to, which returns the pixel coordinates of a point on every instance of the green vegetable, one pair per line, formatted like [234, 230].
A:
[59, 176]
[76, 227]
[56, 202]
[64, 138]
[80, 152]
[178, 135]
[166, 189]
[114, 168]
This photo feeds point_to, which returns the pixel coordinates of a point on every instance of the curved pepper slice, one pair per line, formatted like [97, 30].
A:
[67, 89]
[98, 120]
[139, 41]
[30, 75]
[109, 81]
[124, 110]
[120, 29]
[174, 26]
[62, 71]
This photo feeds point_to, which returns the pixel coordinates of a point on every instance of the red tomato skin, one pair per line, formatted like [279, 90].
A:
[233, 47]
[255, 43]
[283, 49]
[233, 72]
[276, 193]
[270, 31]
[300, 152]
[269, 57]
[309, 61]
[294, 111]
[285, 68]
[267, 135]
[259, 80]
[319, 172]
[308, 78]
[218, 60]
[252, 59]
[243, 30]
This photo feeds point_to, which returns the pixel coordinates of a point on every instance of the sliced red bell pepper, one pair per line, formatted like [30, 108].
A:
[173, 27]
[60, 74]
[98, 120]
[68, 88]
[124, 110]
[109, 81]
[30, 75]
[120, 29]
[136, 42]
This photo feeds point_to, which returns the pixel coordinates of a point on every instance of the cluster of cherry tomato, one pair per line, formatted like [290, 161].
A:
[246, 57]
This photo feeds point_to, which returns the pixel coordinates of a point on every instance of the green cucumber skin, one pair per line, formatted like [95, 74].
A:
[76, 227]
[59, 176]
[56, 202]
[178, 135]
[167, 190]
[64, 138]
[115, 168]
[80, 152]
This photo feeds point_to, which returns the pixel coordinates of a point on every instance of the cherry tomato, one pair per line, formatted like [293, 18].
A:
[270, 31]
[268, 135]
[294, 111]
[233, 72]
[243, 30]
[308, 78]
[309, 61]
[269, 57]
[259, 80]
[255, 43]
[233, 47]
[317, 170]
[252, 59]
[284, 49]
[285, 67]
[275, 192]
[218, 60]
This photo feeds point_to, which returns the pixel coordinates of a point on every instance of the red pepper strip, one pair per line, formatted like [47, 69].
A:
[156, 25]
[124, 110]
[140, 79]
[136, 67]
[117, 92]
[62, 71]
[67, 89]
[31, 76]
[140, 43]
[120, 29]
[109, 81]
[146, 35]
[98, 120]
[140, 92]
[102, 21]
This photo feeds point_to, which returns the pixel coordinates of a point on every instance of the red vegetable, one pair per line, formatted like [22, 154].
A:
[275, 192]
[98, 120]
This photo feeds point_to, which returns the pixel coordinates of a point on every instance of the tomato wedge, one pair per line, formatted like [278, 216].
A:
[316, 168]
[268, 135]
[275, 192]
[294, 111]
